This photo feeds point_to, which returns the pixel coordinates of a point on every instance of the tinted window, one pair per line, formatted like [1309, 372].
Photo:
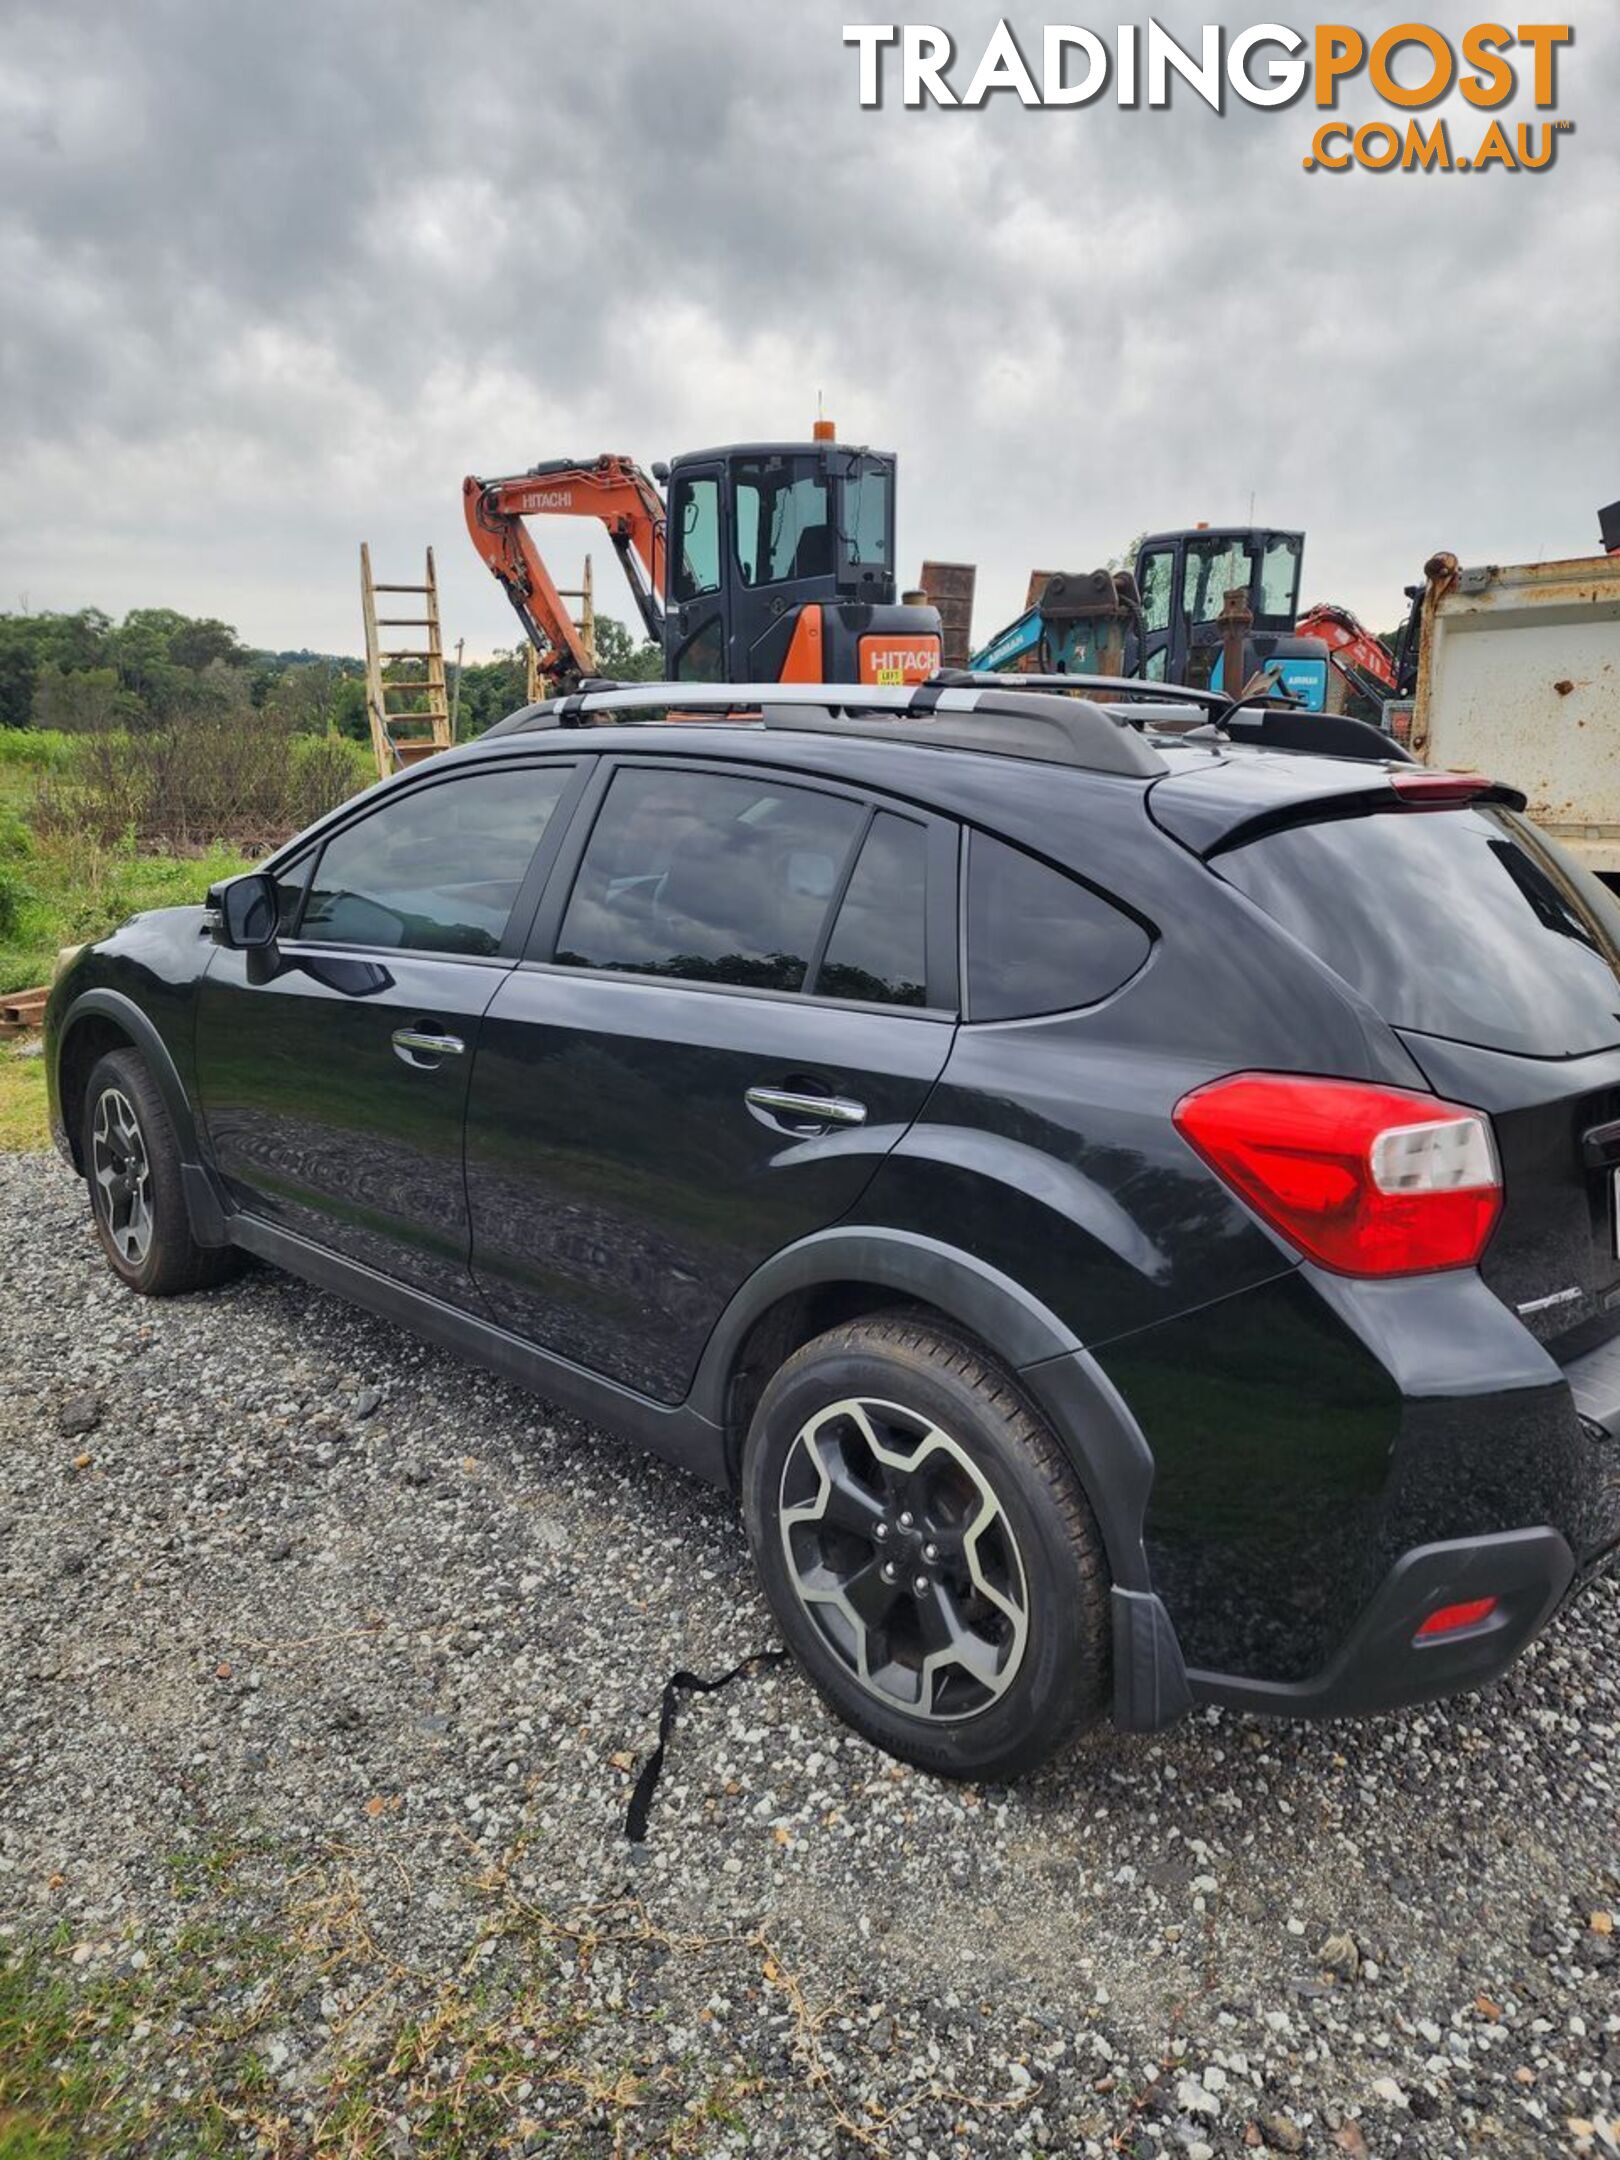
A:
[436, 870]
[290, 886]
[708, 878]
[696, 538]
[1460, 922]
[878, 948]
[1038, 941]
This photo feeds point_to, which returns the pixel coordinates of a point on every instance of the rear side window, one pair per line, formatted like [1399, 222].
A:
[878, 948]
[1465, 923]
[708, 878]
[1038, 941]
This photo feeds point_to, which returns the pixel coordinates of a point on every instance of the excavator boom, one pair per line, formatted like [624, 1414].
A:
[612, 488]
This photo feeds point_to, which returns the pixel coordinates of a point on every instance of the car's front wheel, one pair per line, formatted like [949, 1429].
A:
[132, 1167]
[927, 1549]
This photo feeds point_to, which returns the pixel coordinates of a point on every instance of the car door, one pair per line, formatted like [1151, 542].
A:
[740, 991]
[333, 1081]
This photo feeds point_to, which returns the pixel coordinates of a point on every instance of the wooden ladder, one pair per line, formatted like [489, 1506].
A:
[584, 623]
[404, 736]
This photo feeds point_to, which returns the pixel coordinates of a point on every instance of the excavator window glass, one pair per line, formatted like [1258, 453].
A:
[866, 530]
[1214, 568]
[1279, 583]
[1157, 582]
[784, 531]
[696, 519]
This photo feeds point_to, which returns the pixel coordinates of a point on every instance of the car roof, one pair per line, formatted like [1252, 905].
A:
[1202, 788]
[1048, 771]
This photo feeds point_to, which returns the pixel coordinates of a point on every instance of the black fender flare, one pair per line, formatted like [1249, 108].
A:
[1102, 1439]
[208, 1221]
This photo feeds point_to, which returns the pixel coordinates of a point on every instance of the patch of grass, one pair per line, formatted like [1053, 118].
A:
[66, 888]
[184, 2050]
[22, 1115]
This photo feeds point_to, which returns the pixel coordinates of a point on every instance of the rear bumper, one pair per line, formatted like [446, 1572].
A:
[1383, 1666]
[1594, 1382]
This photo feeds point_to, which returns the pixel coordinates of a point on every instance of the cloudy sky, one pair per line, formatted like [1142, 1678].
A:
[273, 278]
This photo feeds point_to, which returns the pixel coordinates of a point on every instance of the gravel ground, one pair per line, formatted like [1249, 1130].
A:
[327, 1666]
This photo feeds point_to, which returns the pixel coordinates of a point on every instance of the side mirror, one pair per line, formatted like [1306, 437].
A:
[247, 912]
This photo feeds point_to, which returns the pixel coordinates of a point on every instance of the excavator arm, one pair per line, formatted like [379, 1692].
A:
[1352, 648]
[614, 489]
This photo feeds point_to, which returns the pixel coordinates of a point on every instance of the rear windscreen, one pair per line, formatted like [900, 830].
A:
[1460, 922]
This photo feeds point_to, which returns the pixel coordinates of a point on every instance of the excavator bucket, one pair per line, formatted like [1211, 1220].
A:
[949, 586]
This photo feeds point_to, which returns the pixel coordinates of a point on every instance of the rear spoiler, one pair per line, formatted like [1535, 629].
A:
[1398, 791]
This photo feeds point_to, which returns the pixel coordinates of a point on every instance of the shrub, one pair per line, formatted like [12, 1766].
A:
[14, 895]
[217, 770]
[43, 749]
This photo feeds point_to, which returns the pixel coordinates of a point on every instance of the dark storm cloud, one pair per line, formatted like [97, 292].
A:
[275, 277]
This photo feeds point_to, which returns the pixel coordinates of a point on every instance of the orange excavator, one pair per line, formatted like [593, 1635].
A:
[759, 562]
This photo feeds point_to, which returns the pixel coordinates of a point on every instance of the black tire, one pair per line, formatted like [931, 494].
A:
[1036, 1685]
[122, 1097]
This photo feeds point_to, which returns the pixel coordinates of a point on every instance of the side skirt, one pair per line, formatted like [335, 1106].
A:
[678, 1434]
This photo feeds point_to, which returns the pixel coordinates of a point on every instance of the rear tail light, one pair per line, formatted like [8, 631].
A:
[1452, 1619]
[1416, 786]
[1366, 1180]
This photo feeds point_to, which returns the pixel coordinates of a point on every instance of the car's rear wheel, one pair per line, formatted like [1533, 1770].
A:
[927, 1549]
[132, 1167]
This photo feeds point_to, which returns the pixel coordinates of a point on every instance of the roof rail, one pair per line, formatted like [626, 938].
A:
[997, 717]
[1020, 724]
[1111, 686]
[1273, 723]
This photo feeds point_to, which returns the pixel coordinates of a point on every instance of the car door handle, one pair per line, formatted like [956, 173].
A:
[818, 1109]
[411, 1045]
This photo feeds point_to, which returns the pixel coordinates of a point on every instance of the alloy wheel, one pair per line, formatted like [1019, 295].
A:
[122, 1176]
[903, 1557]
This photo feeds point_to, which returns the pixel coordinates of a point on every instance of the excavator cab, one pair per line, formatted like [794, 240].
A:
[781, 568]
[1184, 580]
[759, 562]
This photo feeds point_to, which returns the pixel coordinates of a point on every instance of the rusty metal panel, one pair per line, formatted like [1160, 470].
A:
[1519, 677]
[950, 587]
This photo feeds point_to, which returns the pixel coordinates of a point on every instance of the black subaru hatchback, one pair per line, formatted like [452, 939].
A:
[1133, 1211]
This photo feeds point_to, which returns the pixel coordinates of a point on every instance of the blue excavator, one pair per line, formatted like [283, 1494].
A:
[1197, 607]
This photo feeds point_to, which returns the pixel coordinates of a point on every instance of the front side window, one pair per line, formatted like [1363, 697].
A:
[435, 870]
[1038, 941]
[695, 537]
[878, 949]
[708, 878]
[292, 882]
[784, 528]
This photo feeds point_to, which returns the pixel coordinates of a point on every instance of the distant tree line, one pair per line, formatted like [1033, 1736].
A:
[156, 670]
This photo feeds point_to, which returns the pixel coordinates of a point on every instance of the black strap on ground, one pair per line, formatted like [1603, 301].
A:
[635, 1818]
